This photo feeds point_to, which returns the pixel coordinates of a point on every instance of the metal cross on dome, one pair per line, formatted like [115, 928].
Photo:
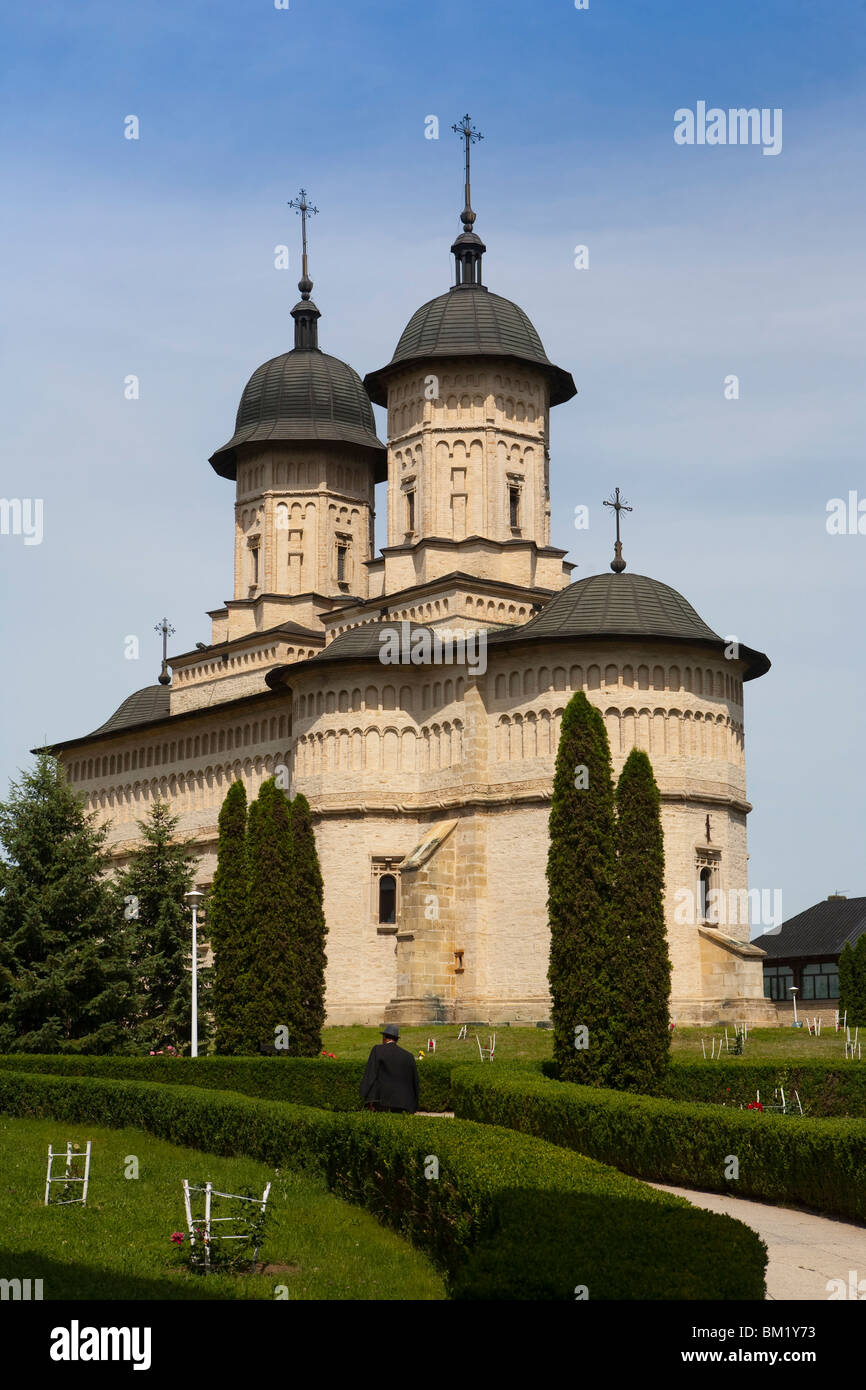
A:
[301, 206]
[618, 504]
[465, 129]
[167, 631]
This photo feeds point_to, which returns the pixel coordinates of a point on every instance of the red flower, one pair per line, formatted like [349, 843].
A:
[333, 1054]
[177, 1238]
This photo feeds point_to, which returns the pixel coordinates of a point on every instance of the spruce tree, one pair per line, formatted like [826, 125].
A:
[847, 988]
[580, 875]
[151, 889]
[639, 951]
[227, 921]
[64, 969]
[269, 984]
[308, 932]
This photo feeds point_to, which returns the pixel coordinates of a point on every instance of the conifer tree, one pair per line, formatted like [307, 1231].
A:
[847, 988]
[639, 951]
[151, 889]
[269, 986]
[859, 984]
[580, 875]
[227, 921]
[308, 932]
[64, 969]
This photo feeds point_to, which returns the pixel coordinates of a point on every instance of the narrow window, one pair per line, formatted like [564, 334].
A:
[254, 562]
[341, 563]
[410, 511]
[705, 880]
[514, 506]
[387, 900]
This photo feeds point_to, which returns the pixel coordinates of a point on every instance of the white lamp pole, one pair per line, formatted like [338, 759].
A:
[793, 989]
[194, 899]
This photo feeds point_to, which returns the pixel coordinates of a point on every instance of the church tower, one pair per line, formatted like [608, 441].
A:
[305, 459]
[468, 391]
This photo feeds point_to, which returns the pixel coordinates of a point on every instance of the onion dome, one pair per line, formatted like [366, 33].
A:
[304, 396]
[469, 321]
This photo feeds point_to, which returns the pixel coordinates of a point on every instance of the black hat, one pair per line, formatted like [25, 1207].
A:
[390, 1030]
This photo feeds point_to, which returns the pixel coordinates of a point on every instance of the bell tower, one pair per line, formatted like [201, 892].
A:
[469, 391]
[305, 459]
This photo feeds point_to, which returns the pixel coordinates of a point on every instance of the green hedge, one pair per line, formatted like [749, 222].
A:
[818, 1164]
[318, 1081]
[825, 1089]
[509, 1216]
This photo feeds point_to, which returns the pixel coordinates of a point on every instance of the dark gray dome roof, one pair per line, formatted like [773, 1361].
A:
[625, 605]
[150, 703]
[303, 396]
[469, 321]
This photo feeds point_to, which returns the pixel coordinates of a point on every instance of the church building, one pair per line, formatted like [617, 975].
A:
[415, 696]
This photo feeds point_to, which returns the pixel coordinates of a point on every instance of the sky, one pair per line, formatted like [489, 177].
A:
[154, 257]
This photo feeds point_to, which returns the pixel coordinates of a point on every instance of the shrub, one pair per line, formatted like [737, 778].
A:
[818, 1164]
[317, 1081]
[825, 1088]
[494, 1217]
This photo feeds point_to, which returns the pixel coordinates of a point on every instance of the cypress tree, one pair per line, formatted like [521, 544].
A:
[308, 931]
[847, 990]
[152, 888]
[269, 985]
[228, 927]
[639, 951]
[859, 983]
[580, 875]
[64, 967]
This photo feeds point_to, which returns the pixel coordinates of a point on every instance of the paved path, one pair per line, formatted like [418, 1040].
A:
[805, 1251]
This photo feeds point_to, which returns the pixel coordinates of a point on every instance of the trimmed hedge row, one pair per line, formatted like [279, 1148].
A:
[818, 1164]
[509, 1217]
[825, 1089]
[317, 1081]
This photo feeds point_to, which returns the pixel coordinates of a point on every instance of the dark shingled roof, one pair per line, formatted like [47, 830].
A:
[362, 643]
[150, 703]
[625, 605]
[821, 930]
[469, 321]
[303, 396]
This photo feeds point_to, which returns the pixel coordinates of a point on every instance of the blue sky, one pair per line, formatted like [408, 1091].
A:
[155, 257]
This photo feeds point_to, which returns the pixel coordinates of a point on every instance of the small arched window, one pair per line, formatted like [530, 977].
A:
[705, 881]
[387, 900]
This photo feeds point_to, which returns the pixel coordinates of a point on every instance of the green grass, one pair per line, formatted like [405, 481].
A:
[536, 1044]
[764, 1045]
[353, 1043]
[119, 1245]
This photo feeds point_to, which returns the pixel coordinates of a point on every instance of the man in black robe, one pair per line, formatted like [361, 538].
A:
[390, 1080]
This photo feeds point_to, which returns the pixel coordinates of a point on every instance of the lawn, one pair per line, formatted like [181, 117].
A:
[536, 1044]
[765, 1044]
[119, 1245]
[353, 1043]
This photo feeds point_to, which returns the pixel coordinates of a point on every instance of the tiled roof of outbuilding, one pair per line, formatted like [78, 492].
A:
[821, 930]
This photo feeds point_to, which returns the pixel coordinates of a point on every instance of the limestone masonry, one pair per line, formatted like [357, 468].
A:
[430, 780]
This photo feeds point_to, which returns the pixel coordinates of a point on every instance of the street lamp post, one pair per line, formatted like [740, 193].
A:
[194, 899]
[793, 989]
